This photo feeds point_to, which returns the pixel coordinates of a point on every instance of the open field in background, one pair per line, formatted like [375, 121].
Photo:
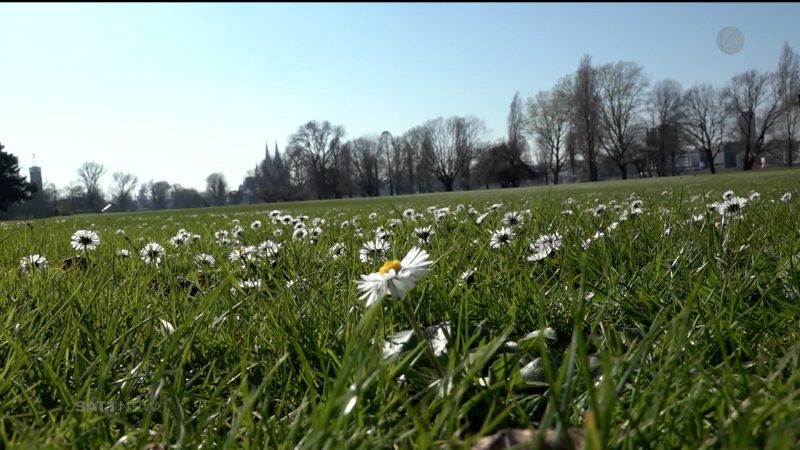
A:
[650, 321]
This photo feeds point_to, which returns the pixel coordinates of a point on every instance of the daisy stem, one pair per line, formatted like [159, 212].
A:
[420, 335]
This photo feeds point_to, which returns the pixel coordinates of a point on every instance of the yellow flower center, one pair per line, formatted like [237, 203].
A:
[393, 264]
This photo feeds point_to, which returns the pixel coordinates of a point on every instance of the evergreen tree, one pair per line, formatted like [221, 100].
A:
[13, 187]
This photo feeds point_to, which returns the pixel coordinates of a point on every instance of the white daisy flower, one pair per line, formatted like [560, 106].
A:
[382, 232]
[468, 276]
[204, 260]
[598, 210]
[481, 218]
[423, 234]
[255, 225]
[501, 237]
[237, 231]
[221, 237]
[178, 240]
[728, 195]
[374, 250]
[393, 223]
[152, 253]
[84, 240]
[544, 246]
[394, 277]
[299, 233]
[124, 253]
[753, 196]
[372, 216]
[269, 249]
[732, 206]
[250, 284]
[165, 328]
[32, 263]
[337, 250]
[786, 197]
[513, 219]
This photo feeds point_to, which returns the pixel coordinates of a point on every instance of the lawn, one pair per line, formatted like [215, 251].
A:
[632, 314]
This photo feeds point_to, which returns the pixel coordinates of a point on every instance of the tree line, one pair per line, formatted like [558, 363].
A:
[602, 121]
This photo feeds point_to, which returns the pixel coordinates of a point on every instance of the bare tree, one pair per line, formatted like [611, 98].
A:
[345, 178]
[90, 173]
[367, 164]
[585, 115]
[217, 188]
[392, 161]
[512, 157]
[788, 86]
[446, 148]
[549, 125]
[186, 197]
[468, 132]
[621, 88]
[753, 100]
[664, 105]
[142, 201]
[299, 176]
[516, 123]
[159, 194]
[705, 121]
[416, 165]
[316, 146]
[125, 183]
[492, 166]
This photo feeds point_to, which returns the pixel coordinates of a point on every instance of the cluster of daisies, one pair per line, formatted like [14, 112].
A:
[373, 250]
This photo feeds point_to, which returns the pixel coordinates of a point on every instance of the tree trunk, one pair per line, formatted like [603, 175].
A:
[623, 168]
[555, 177]
[749, 161]
[448, 184]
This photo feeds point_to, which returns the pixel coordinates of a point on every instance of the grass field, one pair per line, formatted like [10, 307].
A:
[637, 314]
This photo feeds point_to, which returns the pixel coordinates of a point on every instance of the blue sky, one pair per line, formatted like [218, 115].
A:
[178, 91]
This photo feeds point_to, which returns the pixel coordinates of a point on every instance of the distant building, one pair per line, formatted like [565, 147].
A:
[36, 176]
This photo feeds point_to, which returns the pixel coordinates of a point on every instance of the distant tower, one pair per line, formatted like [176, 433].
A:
[36, 174]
